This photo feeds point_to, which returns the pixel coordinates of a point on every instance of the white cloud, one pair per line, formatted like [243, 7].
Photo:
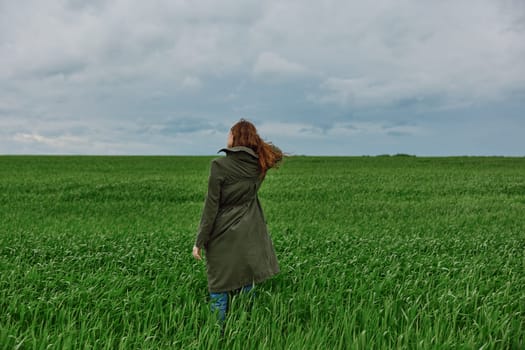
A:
[365, 54]
[359, 93]
[59, 141]
[271, 65]
[379, 54]
[191, 82]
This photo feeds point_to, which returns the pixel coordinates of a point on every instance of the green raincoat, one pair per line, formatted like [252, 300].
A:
[239, 250]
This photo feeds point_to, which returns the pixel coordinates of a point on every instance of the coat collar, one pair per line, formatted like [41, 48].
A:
[239, 149]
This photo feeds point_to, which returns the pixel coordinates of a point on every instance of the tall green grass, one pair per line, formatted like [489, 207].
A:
[375, 252]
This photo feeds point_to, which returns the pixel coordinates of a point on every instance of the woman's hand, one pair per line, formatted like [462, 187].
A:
[197, 253]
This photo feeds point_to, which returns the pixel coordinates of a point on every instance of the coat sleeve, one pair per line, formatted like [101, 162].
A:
[211, 206]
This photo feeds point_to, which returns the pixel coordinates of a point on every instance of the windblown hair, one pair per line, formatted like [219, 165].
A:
[245, 134]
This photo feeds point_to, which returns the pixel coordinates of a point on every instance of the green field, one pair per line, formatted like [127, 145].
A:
[375, 252]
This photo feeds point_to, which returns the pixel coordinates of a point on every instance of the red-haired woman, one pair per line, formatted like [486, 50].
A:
[232, 230]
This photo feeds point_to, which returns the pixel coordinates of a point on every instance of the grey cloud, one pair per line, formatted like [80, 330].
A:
[271, 66]
[398, 133]
[186, 126]
[155, 71]
[63, 69]
[92, 6]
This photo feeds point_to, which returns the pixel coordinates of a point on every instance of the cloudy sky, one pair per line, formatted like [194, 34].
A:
[324, 77]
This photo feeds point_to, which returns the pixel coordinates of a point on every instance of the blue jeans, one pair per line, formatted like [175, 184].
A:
[220, 301]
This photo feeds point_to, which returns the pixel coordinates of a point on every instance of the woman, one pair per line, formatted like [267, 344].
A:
[232, 230]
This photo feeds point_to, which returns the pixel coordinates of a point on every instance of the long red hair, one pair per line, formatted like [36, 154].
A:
[245, 134]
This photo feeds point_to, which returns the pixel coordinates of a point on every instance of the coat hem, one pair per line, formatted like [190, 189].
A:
[240, 285]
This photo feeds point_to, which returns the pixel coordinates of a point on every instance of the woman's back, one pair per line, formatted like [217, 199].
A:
[241, 176]
[239, 250]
